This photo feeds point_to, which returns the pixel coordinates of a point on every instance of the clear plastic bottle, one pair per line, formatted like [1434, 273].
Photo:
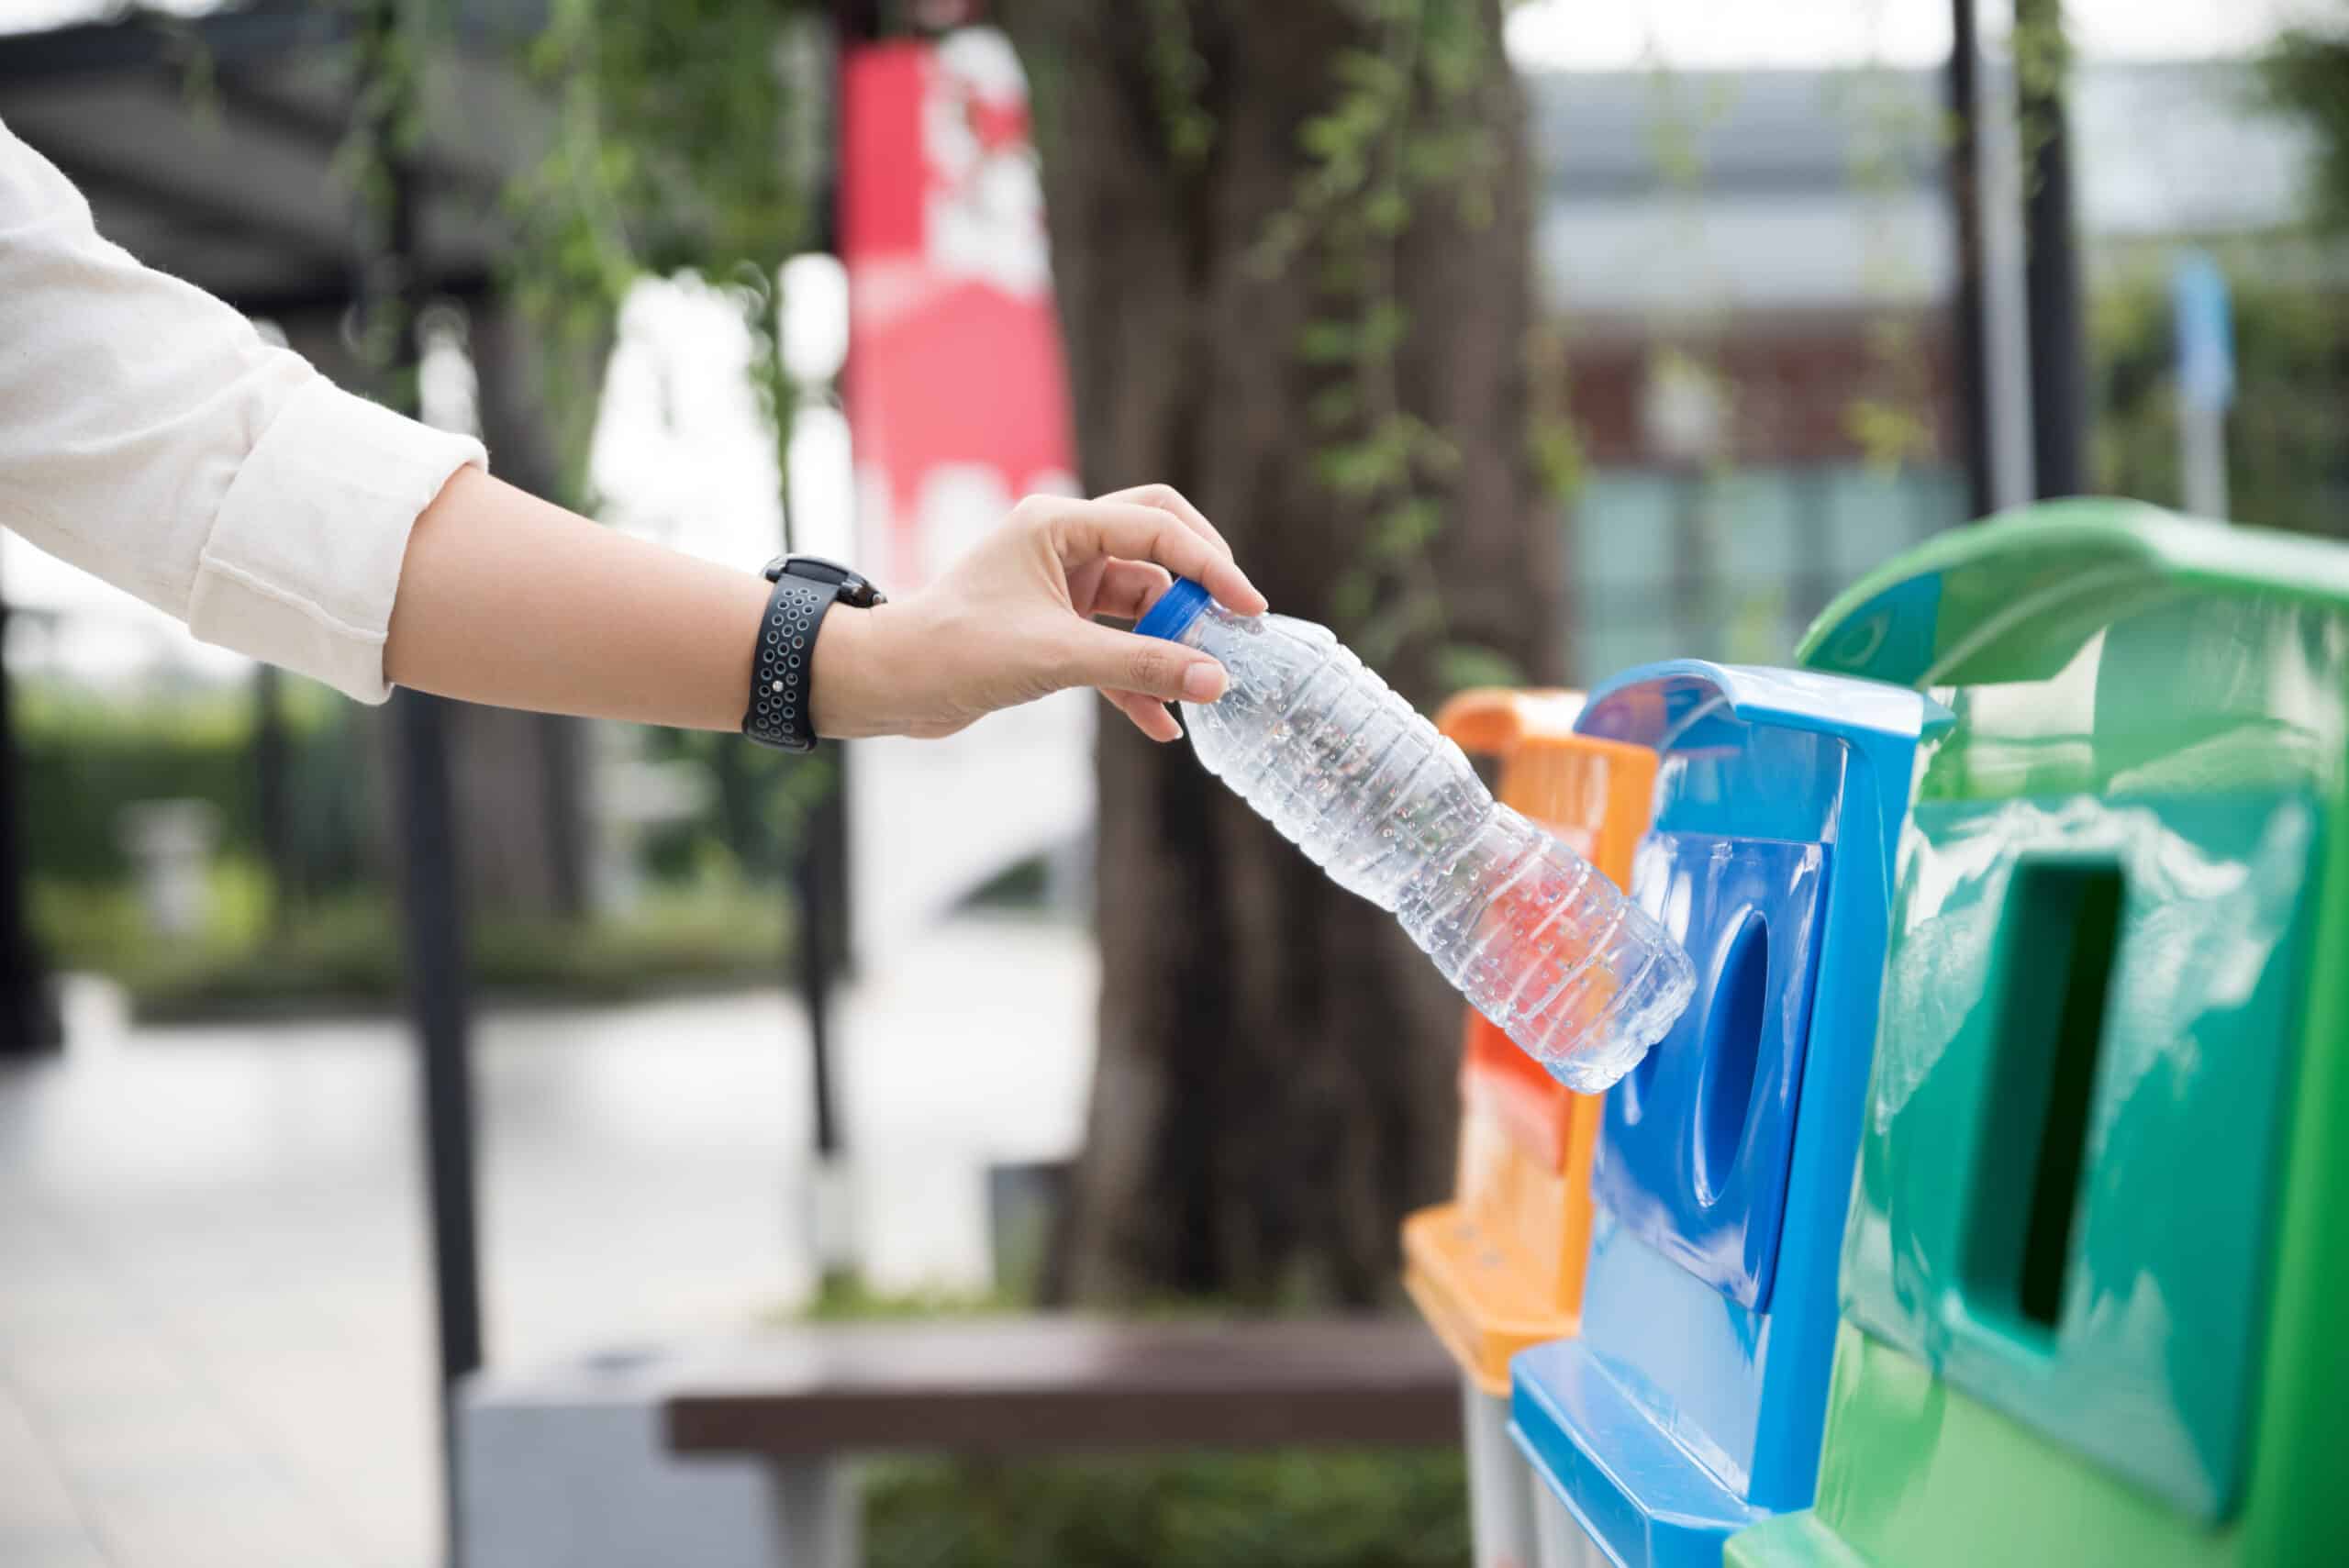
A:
[1540, 942]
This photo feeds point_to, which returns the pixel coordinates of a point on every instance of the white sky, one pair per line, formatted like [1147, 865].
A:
[1577, 34]
[1580, 35]
[32, 16]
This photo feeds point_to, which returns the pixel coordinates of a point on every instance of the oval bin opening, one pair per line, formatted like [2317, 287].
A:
[1732, 1043]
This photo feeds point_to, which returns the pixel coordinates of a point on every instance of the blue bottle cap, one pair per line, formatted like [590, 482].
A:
[1176, 610]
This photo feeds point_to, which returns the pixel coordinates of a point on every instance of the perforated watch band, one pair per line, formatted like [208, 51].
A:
[783, 670]
[778, 714]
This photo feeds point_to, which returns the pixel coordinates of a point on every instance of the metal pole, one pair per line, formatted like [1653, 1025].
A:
[28, 1021]
[2202, 440]
[432, 912]
[2052, 264]
[434, 927]
[1968, 331]
[821, 864]
[2005, 350]
[831, 1217]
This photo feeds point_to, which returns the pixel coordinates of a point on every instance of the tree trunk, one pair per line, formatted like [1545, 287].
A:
[1274, 1088]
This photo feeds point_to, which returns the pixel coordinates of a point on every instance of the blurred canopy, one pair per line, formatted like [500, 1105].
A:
[2308, 73]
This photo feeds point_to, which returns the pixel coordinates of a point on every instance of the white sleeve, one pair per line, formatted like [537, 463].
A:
[150, 436]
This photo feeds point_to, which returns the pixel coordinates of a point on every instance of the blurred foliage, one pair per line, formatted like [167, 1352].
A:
[1286, 1510]
[83, 762]
[2288, 454]
[847, 1298]
[1890, 416]
[2042, 61]
[345, 952]
[2306, 74]
[2287, 447]
[763, 801]
[675, 147]
[714, 916]
[1405, 125]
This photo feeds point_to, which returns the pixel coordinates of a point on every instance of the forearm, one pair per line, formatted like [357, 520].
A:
[509, 600]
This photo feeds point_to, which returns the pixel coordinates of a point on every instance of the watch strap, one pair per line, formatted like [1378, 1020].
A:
[782, 670]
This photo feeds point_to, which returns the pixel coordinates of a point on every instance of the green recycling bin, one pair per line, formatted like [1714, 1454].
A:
[2098, 1246]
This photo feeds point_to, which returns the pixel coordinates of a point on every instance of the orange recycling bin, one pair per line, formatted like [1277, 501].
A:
[1500, 1267]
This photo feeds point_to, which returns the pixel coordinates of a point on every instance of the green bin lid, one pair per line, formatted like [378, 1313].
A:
[2014, 598]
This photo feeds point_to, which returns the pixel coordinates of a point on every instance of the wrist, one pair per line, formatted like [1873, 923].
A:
[839, 703]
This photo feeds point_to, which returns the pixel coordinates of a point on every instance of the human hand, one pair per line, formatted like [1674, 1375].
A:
[1012, 621]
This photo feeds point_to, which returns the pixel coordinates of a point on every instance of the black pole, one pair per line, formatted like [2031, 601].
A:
[820, 864]
[432, 912]
[1970, 327]
[2059, 399]
[816, 951]
[432, 918]
[28, 1021]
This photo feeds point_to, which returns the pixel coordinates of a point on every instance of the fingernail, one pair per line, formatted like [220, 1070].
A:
[1203, 683]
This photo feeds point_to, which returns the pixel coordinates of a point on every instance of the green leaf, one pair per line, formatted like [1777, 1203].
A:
[1325, 137]
[1350, 600]
[1386, 212]
[1406, 528]
[1369, 73]
[1384, 327]
[1334, 405]
[1886, 433]
[1460, 665]
[1364, 468]
[1329, 342]
[1555, 445]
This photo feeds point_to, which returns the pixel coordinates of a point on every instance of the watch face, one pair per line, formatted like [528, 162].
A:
[855, 588]
[816, 569]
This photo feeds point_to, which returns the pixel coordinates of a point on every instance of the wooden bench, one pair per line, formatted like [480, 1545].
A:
[805, 1397]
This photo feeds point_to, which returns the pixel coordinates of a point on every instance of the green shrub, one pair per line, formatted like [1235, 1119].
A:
[1288, 1509]
[345, 951]
[83, 760]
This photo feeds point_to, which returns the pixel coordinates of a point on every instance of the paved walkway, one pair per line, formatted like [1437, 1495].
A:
[214, 1323]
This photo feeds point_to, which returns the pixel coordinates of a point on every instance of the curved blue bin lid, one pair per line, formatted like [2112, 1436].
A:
[1662, 705]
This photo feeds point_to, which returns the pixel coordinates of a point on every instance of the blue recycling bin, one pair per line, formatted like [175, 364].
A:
[1692, 1404]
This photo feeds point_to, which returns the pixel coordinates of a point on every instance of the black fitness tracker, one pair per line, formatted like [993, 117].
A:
[782, 667]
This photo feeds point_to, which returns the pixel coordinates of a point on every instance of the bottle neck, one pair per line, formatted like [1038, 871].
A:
[1208, 631]
[1177, 613]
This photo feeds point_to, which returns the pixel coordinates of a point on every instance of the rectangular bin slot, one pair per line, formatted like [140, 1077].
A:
[2064, 928]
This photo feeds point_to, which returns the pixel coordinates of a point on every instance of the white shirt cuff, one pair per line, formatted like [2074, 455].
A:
[303, 558]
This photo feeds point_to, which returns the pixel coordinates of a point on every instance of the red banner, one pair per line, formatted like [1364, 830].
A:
[957, 396]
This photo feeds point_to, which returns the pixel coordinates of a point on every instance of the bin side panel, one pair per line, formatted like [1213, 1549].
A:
[2137, 1345]
[2297, 1515]
[1917, 1475]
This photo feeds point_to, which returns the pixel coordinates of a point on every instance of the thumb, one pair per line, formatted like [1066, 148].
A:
[1119, 661]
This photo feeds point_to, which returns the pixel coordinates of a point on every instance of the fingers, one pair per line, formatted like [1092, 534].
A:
[1149, 715]
[1166, 498]
[1148, 666]
[1128, 589]
[1084, 529]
